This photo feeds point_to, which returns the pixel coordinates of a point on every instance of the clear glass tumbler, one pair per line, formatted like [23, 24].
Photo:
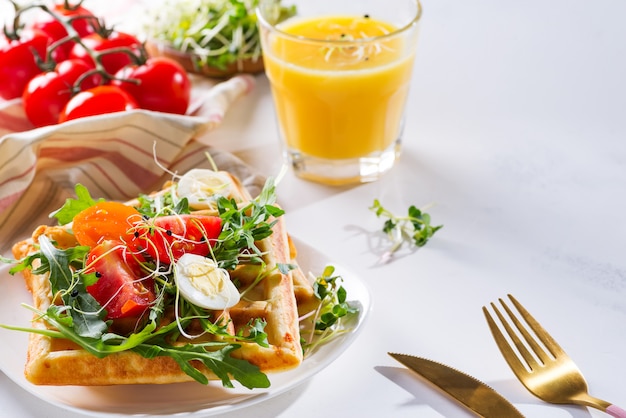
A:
[340, 72]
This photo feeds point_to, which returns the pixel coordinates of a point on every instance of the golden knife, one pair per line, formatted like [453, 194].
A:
[469, 391]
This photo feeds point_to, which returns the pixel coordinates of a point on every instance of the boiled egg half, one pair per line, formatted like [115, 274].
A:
[201, 282]
[200, 186]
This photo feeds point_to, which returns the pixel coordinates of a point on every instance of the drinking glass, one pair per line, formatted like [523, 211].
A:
[340, 73]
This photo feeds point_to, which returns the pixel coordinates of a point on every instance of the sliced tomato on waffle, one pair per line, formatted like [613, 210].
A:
[122, 287]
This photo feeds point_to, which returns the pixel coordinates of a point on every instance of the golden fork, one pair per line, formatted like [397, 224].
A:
[548, 373]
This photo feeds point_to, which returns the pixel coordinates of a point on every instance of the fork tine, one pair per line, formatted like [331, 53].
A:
[503, 345]
[507, 351]
[543, 336]
[529, 361]
[530, 339]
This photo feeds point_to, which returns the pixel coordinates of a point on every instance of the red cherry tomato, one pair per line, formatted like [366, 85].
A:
[112, 62]
[167, 238]
[122, 288]
[46, 94]
[97, 101]
[82, 20]
[18, 64]
[161, 84]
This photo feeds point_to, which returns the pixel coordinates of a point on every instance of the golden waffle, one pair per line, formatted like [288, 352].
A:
[276, 299]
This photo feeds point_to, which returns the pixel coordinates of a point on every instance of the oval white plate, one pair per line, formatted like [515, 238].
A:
[183, 399]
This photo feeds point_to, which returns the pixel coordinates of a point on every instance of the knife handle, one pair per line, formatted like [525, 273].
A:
[615, 411]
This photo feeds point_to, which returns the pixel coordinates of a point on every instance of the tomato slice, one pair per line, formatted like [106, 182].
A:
[122, 288]
[106, 221]
[167, 238]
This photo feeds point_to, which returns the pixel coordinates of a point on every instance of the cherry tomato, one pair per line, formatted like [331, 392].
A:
[112, 62]
[97, 101]
[122, 288]
[82, 20]
[160, 84]
[105, 221]
[17, 62]
[167, 238]
[47, 93]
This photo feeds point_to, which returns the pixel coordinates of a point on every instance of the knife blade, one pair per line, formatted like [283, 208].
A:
[467, 390]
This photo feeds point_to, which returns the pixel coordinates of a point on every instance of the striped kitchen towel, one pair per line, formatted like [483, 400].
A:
[116, 156]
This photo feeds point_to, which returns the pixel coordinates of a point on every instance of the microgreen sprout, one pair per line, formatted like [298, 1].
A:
[328, 320]
[217, 32]
[415, 228]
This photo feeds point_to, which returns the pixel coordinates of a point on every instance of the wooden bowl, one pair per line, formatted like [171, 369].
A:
[189, 60]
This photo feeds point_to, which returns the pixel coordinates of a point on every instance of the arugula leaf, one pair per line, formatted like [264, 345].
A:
[25, 263]
[85, 312]
[414, 228]
[57, 263]
[218, 361]
[71, 207]
[152, 342]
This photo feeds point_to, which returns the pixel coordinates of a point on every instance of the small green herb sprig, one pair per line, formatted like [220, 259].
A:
[415, 228]
[332, 314]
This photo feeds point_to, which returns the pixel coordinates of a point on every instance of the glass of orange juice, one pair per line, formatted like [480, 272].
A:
[340, 72]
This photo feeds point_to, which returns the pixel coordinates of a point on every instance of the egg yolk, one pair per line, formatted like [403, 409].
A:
[206, 278]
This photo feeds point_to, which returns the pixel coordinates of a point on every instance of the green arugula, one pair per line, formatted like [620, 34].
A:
[152, 341]
[66, 213]
[86, 314]
[415, 227]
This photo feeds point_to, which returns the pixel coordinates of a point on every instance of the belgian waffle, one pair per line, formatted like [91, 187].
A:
[279, 299]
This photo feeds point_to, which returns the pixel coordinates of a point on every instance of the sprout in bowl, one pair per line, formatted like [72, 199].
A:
[215, 38]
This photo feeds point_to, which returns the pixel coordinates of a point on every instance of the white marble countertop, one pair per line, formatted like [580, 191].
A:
[516, 135]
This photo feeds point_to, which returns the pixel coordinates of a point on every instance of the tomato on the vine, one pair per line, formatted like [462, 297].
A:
[46, 94]
[18, 61]
[159, 84]
[82, 20]
[97, 101]
[114, 40]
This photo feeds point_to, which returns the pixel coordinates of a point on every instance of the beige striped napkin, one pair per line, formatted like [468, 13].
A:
[115, 156]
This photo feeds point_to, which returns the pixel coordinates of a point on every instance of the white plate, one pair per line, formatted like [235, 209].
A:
[183, 399]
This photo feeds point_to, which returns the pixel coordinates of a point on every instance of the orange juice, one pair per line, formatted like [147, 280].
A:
[344, 98]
